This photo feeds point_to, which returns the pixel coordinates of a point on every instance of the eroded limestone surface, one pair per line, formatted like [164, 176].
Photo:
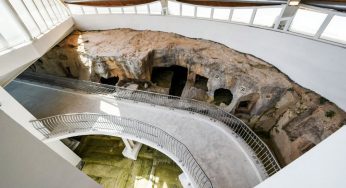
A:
[290, 118]
[104, 162]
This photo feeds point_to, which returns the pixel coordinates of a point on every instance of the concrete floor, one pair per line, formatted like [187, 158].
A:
[223, 157]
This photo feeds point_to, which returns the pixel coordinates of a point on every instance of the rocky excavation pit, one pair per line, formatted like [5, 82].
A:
[290, 118]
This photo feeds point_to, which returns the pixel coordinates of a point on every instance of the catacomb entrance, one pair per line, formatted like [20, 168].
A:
[173, 77]
[109, 81]
[201, 82]
[222, 95]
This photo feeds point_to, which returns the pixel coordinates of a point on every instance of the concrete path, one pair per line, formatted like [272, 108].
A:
[224, 158]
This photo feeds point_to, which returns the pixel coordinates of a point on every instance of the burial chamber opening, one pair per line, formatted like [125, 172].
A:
[109, 81]
[222, 95]
[173, 77]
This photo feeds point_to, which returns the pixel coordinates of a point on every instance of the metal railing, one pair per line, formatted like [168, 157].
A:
[84, 122]
[240, 129]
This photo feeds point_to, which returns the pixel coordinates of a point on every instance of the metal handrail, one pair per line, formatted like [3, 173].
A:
[259, 148]
[85, 122]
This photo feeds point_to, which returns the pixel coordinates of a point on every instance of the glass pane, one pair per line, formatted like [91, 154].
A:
[221, 13]
[55, 9]
[62, 9]
[336, 30]
[25, 16]
[89, 10]
[242, 15]
[116, 10]
[75, 9]
[44, 13]
[36, 14]
[11, 33]
[102, 10]
[188, 10]
[173, 8]
[155, 8]
[129, 10]
[203, 12]
[50, 11]
[266, 16]
[142, 9]
[307, 21]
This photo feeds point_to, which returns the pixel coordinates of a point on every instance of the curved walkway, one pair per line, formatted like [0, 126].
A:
[225, 155]
[69, 125]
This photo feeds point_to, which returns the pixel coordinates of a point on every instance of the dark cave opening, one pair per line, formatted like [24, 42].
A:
[222, 95]
[109, 81]
[173, 77]
[201, 82]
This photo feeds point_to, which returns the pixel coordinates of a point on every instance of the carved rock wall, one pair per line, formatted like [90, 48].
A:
[290, 118]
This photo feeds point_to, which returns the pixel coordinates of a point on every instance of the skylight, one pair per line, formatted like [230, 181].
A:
[203, 12]
[116, 10]
[307, 21]
[155, 8]
[129, 10]
[242, 15]
[103, 10]
[89, 10]
[221, 13]
[336, 30]
[188, 10]
[266, 16]
[142, 9]
[173, 8]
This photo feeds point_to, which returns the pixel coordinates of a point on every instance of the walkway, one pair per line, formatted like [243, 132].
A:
[226, 159]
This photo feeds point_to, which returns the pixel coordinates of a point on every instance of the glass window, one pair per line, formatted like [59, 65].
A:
[116, 10]
[173, 8]
[55, 9]
[25, 17]
[75, 9]
[44, 13]
[142, 9]
[155, 8]
[242, 15]
[203, 12]
[266, 16]
[307, 21]
[221, 13]
[188, 10]
[50, 11]
[36, 14]
[336, 30]
[103, 10]
[129, 10]
[11, 33]
[89, 10]
[62, 9]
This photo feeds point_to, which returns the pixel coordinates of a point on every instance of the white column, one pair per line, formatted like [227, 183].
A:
[19, 114]
[131, 149]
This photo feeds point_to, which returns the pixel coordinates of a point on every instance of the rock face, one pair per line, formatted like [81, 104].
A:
[290, 118]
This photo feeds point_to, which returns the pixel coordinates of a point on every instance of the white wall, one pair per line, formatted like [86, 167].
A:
[313, 64]
[14, 110]
[323, 166]
[27, 162]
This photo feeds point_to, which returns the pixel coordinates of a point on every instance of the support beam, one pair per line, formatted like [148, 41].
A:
[131, 149]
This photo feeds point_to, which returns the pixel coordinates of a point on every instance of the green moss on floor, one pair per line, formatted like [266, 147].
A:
[104, 162]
